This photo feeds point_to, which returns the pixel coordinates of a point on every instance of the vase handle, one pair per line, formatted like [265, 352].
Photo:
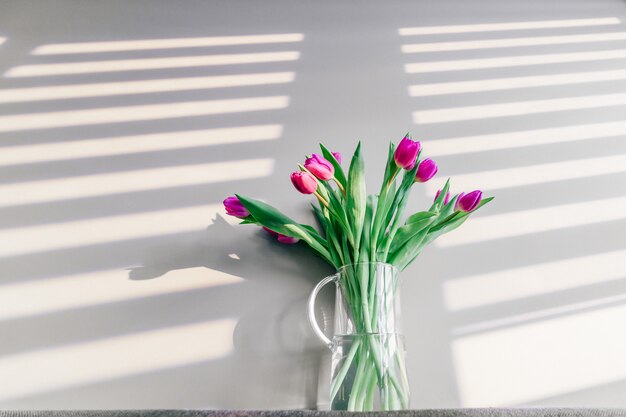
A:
[311, 309]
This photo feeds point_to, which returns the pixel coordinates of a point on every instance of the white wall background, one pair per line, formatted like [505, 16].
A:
[124, 124]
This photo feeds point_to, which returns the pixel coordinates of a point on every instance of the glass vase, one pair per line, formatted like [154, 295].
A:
[368, 355]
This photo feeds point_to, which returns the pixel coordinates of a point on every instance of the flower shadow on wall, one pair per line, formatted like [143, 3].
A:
[272, 337]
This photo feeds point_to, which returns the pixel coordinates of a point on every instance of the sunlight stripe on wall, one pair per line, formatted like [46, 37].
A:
[519, 364]
[177, 43]
[519, 139]
[18, 95]
[512, 61]
[122, 145]
[2, 40]
[512, 42]
[488, 111]
[534, 315]
[90, 67]
[540, 279]
[82, 233]
[534, 174]
[526, 222]
[31, 298]
[55, 368]
[498, 27]
[137, 113]
[435, 89]
[131, 181]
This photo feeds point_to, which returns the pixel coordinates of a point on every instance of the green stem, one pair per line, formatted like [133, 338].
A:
[371, 388]
[343, 371]
[357, 386]
[362, 399]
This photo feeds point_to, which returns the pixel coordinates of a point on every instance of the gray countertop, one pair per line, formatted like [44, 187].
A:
[467, 412]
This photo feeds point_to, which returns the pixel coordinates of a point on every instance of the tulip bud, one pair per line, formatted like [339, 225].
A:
[446, 199]
[270, 231]
[320, 167]
[468, 202]
[234, 207]
[337, 156]
[427, 169]
[287, 240]
[406, 153]
[304, 182]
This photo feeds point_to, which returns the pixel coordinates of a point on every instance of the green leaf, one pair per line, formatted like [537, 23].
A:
[448, 214]
[450, 221]
[419, 216]
[390, 166]
[356, 195]
[333, 246]
[419, 222]
[438, 203]
[365, 241]
[314, 233]
[383, 203]
[449, 226]
[397, 210]
[273, 219]
[319, 216]
[339, 175]
[400, 198]
[389, 198]
[407, 252]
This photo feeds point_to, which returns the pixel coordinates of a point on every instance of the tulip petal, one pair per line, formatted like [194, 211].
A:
[287, 240]
[426, 170]
[405, 154]
[234, 207]
[340, 176]
[304, 182]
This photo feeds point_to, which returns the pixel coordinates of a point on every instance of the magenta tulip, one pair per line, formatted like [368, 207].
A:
[446, 199]
[287, 240]
[234, 207]
[458, 199]
[427, 169]
[320, 167]
[468, 202]
[337, 156]
[406, 153]
[270, 231]
[304, 182]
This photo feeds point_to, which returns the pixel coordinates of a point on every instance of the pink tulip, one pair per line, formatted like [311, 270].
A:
[304, 182]
[320, 167]
[234, 207]
[337, 156]
[406, 153]
[287, 240]
[446, 199]
[468, 202]
[427, 169]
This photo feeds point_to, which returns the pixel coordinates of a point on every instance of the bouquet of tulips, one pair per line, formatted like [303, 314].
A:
[360, 228]
[355, 232]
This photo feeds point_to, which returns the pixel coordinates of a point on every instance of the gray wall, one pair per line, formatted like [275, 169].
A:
[123, 285]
